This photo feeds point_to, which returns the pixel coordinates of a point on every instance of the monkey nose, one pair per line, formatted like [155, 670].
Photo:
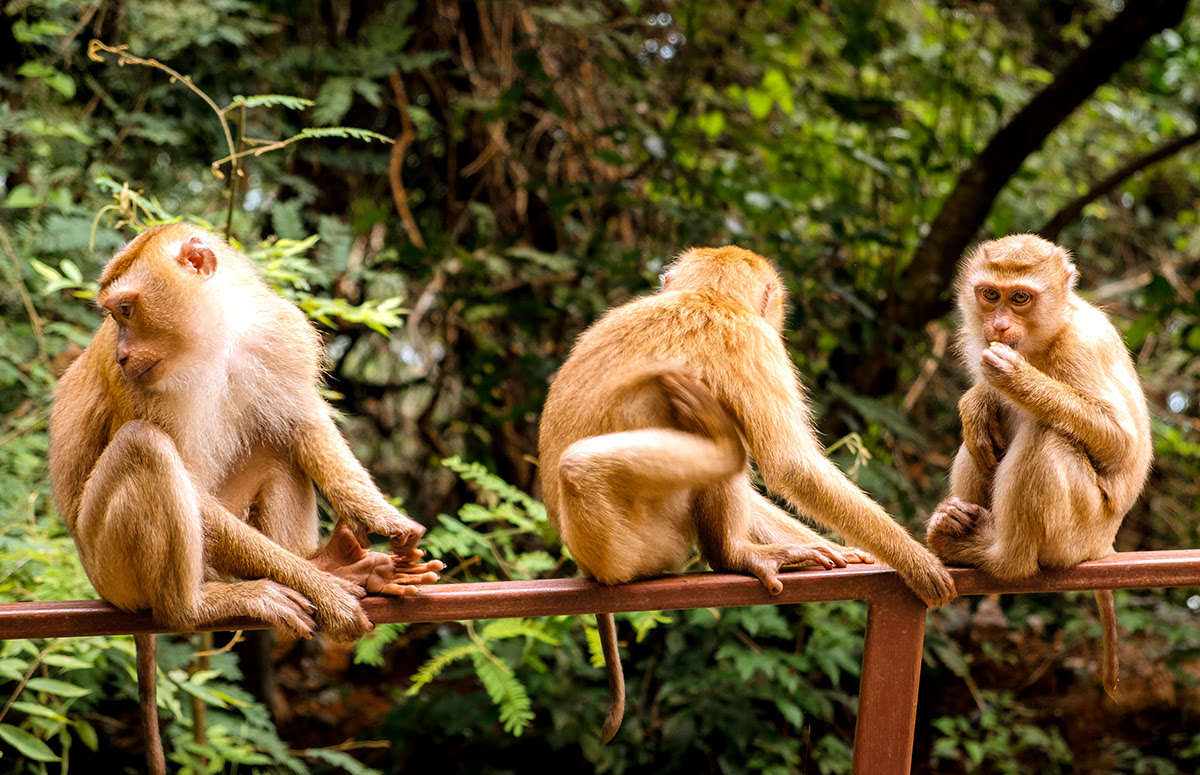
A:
[122, 357]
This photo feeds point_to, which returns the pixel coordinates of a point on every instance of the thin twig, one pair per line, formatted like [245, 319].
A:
[19, 283]
[28, 674]
[396, 166]
[125, 58]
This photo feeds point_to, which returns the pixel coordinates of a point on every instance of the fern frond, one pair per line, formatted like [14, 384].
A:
[434, 666]
[316, 133]
[369, 650]
[478, 475]
[509, 695]
[516, 628]
[595, 649]
[270, 101]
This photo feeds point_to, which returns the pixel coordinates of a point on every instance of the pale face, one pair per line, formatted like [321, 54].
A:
[1007, 311]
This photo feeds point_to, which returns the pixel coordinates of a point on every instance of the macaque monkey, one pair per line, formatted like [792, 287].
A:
[184, 444]
[647, 434]
[1056, 432]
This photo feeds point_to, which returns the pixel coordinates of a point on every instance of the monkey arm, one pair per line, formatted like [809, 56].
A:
[1104, 431]
[765, 397]
[231, 546]
[79, 429]
[979, 411]
[325, 456]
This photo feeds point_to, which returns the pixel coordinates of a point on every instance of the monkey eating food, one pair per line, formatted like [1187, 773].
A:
[1056, 431]
[647, 433]
[184, 444]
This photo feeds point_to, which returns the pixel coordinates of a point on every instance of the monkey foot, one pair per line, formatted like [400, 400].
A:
[763, 561]
[951, 523]
[854, 555]
[695, 408]
[375, 572]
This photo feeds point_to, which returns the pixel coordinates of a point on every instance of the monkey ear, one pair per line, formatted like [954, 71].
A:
[769, 291]
[198, 257]
[1069, 269]
[664, 279]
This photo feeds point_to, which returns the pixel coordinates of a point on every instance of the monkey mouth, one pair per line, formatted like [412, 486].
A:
[146, 375]
[1011, 341]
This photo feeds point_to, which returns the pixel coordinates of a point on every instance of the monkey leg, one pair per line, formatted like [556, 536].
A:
[725, 519]
[627, 499]
[968, 481]
[236, 548]
[770, 524]
[285, 508]
[141, 538]
[1047, 507]
[959, 532]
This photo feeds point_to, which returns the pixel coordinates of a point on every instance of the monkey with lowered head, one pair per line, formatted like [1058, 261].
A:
[184, 444]
[1056, 431]
[647, 433]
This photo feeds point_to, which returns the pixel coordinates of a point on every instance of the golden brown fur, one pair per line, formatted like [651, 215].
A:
[1056, 432]
[649, 425]
[184, 444]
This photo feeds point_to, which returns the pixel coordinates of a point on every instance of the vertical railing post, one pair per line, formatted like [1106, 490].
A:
[891, 675]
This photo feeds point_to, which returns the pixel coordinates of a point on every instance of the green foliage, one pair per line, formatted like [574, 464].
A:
[554, 158]
[1001, 734]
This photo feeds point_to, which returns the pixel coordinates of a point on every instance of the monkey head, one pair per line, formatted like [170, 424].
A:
[152, 293]
[1015, 291]
[731, 272]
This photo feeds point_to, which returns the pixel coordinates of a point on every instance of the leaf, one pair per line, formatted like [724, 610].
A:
[22, 196]
[87, 734]
[506, 691]
[56, 687]
[340, 760]
[437, 663]
[272, 100]
[27, 744]
[36, 709]
[333, 100]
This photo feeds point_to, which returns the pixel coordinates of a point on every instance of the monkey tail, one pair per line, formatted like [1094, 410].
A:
[147, 675]
[616, 678]
[1108, 625]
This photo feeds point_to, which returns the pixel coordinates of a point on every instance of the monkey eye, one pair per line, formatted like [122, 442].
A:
[990, 294]
[124, 309]
[1021, 297]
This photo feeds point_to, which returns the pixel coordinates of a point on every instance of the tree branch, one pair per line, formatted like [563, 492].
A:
[920, 299]
[1068, 214]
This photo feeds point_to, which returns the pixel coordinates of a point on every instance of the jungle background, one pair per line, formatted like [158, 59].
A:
[455, 189]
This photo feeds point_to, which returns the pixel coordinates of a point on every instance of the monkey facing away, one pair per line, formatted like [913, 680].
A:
[184, 444]
[1056, 431]
[647, 432]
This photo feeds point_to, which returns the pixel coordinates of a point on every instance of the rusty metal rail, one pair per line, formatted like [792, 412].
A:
[895, 634]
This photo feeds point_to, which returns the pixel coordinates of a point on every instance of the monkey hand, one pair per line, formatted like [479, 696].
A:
[387, 520]
[1001, 364]
[929, 580]
[339, 614]
[376, 573]
[983, 435]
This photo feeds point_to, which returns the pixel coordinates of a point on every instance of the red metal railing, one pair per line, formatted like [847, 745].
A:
[895, 634]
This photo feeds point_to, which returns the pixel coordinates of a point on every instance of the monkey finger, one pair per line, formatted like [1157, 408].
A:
[768, 576]
[417, 567]
[302, 602]
[415, 578]
[858, 555]
[399, 590]
[827, 555]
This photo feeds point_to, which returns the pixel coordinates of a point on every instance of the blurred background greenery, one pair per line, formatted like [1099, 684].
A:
[546, 160]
